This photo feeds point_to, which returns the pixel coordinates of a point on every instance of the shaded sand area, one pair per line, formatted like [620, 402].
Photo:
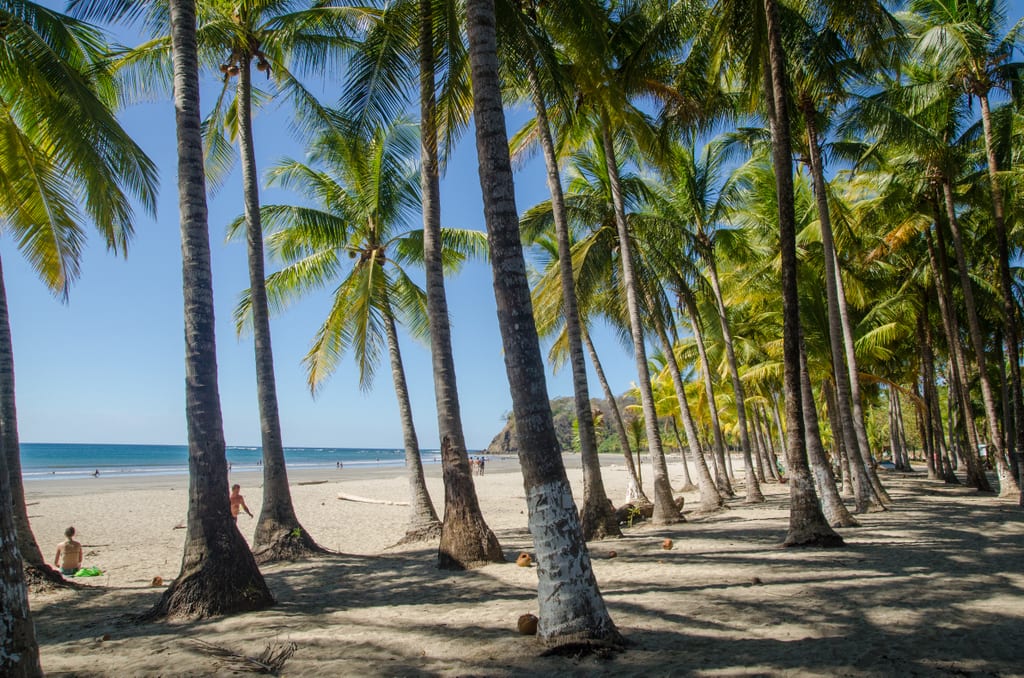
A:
[933, 587]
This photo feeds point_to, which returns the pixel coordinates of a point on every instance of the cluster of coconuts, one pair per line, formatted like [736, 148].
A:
[231, 69]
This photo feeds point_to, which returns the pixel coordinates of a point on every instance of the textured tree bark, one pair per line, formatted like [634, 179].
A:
[36, 569]
[753, 490]
[466, 540]
[807, 524]
[665, 511]
[218, 572]
[634, 490]
[279, 535]
[724, 487]
[1007, 483]
[572, 611]
[598, 514]
[19, 651]
[423, 520]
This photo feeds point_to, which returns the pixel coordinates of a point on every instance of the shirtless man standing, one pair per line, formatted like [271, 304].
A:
[69, 553]
[238, 502]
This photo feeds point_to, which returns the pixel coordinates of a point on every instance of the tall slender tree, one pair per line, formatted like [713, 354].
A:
[572, 610]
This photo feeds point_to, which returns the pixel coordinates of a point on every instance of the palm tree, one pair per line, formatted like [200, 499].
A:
[597, 516]
[19, 652]
[962, 37]
[218, 574]
[572, 610]
[64, 160]
[366, 192]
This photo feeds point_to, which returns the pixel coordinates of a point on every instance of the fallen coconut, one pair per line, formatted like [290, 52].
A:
[528, 624]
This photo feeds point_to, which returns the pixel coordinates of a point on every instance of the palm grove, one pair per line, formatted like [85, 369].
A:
[799, 217]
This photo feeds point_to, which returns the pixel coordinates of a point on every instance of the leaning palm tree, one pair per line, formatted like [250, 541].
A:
[218, 574]
[572, 611]
[367, 188]
[64, 161]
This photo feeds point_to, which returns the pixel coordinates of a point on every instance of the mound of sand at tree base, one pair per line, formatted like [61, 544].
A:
[935, 587]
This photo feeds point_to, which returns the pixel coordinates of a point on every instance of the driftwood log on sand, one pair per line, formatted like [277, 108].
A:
[366, 500]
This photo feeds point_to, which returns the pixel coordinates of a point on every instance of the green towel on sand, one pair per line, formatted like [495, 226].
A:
[88, 572]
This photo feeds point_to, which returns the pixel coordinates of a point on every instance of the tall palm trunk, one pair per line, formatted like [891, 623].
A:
[279, 535]
[19, 652]
[940, 270]
[1015, 427]
[423, 520]
[466, 540]
[598, 515]
[724, 487]
[572, 610]
[665, 511]
[634, 489]
[218, 574]
[807, 524]
[862, 489]
[1007, 482]
[929, 435]
[943, 466]
[710, 499]
[824, 479]
[863, 450]
[753, 490]
[35, 567]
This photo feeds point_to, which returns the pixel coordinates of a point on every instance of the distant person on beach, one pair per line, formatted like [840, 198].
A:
[69, 553]
[96, 473]
[238, 502]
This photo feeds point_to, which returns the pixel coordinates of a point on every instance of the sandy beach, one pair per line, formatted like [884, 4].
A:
[933, 587]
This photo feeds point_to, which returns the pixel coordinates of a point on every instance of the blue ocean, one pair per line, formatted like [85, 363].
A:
[47, 461]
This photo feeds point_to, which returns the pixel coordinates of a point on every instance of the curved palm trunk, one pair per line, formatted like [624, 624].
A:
[1007, 483]
[940, 270]
[771, 471]
[35, 566]
[598, 514]
[218, 574]
[466, 540]
[710, 499]
[863, 449]
[423, 520]
[634, 490]
[19, 651]
[840, 372]
[753, 489]
[807, 525]
[665, 511]
[279, 535]
[572, 610]
[688, 485]
[724, 487]
[1015, 427]
[824, 479]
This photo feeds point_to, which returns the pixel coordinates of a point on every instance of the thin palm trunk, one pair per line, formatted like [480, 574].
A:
[931, 435]
[940, 271]
[710, 499]
[597, 516]
[279, 535]
[423, 520]
[1007, 483]
[572, 610]
[824, 479]
[218, 574]
[688, 485]
[634, 490]
[770, 470]
[19, 651]
[753, 490]
[35, 566]
[1015, 422]
[466, 540]
[841, 373]
[724, 487]
[665, 511]
[807, 524]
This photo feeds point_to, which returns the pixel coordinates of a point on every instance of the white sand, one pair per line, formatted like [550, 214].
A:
[934, 587]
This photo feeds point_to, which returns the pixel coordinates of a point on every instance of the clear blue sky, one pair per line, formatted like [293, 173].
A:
[108, 367]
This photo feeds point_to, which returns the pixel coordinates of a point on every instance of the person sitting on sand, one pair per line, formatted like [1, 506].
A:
[238, 502]
[69, 554]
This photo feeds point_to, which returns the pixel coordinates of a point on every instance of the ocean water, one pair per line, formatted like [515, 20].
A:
[48, 461]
